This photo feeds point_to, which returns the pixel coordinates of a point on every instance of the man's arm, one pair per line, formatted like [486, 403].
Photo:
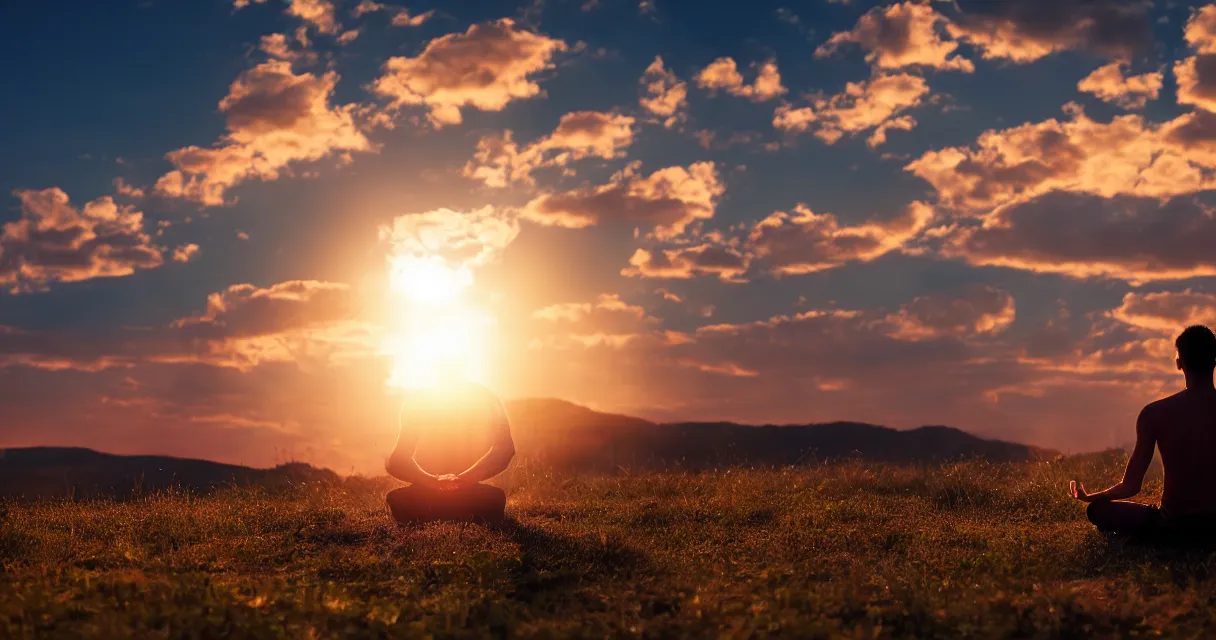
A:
[501, 451]
[1137, 466]
[401, 463]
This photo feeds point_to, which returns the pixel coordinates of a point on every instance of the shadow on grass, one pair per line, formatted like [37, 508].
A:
[552, 562]
[1187, 560]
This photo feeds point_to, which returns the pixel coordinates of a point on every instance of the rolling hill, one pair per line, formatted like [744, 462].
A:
[555, 433]
[573, 437]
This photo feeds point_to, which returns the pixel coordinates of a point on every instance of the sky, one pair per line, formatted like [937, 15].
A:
[989, 215]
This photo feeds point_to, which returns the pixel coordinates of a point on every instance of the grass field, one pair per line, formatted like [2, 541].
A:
[849, 550]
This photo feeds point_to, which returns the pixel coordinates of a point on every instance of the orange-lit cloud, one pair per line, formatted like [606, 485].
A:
[275, 118]
[1082, 235]
[486, 67]
[1109, 83]
[462, 238]
[54, 241]
[1126, 156]
[666, 96]
[277, 45]
[1023, 32]
[1196, 75]
[980, 310]
[861, 106]
[904, 34]
[608, 316]
[709, 258]
[582, 134]
[804, 241]
[304, 322]
[668, 200]
[723, 75]
[401, 16]
[1167, 311]
[318, 13]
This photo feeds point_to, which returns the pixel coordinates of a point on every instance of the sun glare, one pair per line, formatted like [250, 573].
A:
[434, 329]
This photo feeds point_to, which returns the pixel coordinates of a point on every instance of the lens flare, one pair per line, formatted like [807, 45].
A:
[435, 333]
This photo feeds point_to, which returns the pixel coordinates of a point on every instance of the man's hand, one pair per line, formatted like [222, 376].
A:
[1078, 491]
[452, 482]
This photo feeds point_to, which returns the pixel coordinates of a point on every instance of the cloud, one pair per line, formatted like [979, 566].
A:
[403, 18]
[1167, 312]
[462, 238]
[669, 200]
[723, 75]
[274, 118]
[1126, 156]
[975, 311]
[860, 107]
[805, 241]
[1130, 92]
[318, 13]
[1196, 77]
[1082, 235]
[666, 96]
[1200, 30]
[276, 45]
[708, 258]
[609, 315]
[1196, 74]
[401, 15]
[581, 134]
[244, 326]
[185, 252]
[54, 241]
[1022, 32]
[901, 35]
[486, 67]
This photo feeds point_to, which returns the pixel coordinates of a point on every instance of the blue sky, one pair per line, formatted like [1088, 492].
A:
[1010, 295]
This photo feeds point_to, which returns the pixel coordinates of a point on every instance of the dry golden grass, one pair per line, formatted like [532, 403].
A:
[847, 550]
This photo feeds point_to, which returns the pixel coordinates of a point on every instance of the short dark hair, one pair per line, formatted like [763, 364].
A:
[1197, 348]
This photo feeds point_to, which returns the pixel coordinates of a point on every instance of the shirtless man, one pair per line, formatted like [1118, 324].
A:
[1183, 427]
[452, 438]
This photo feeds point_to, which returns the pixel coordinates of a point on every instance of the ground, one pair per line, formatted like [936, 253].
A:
[846, 550]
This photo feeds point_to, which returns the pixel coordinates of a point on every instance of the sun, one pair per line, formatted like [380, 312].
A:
[435, 332]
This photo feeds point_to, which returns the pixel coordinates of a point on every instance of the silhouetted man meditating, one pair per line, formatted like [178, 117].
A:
[452, 438]
[1183, 427]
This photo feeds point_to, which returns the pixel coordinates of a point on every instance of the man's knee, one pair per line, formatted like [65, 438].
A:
[493, 496]
[1098, 514]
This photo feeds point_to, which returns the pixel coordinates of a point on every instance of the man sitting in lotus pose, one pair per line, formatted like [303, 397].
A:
[1183, 427]
[452, 438]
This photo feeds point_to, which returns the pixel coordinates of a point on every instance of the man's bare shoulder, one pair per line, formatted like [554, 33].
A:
[1163, 407]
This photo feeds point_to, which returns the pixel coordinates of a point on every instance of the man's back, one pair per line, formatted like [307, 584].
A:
[1185, 428]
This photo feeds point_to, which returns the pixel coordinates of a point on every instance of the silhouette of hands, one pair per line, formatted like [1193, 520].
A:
[451, 482]
[1078, 491]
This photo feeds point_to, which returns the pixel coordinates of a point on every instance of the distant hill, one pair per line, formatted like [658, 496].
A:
[66, 472]
[574, 437]
[556, 433]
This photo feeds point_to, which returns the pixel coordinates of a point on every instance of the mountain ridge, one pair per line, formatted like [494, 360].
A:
[555, 433]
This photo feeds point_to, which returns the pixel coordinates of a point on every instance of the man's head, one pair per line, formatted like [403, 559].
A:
[1196, 350]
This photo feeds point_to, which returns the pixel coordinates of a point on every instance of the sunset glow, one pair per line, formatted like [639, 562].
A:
[433, 327]
[974, 213]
